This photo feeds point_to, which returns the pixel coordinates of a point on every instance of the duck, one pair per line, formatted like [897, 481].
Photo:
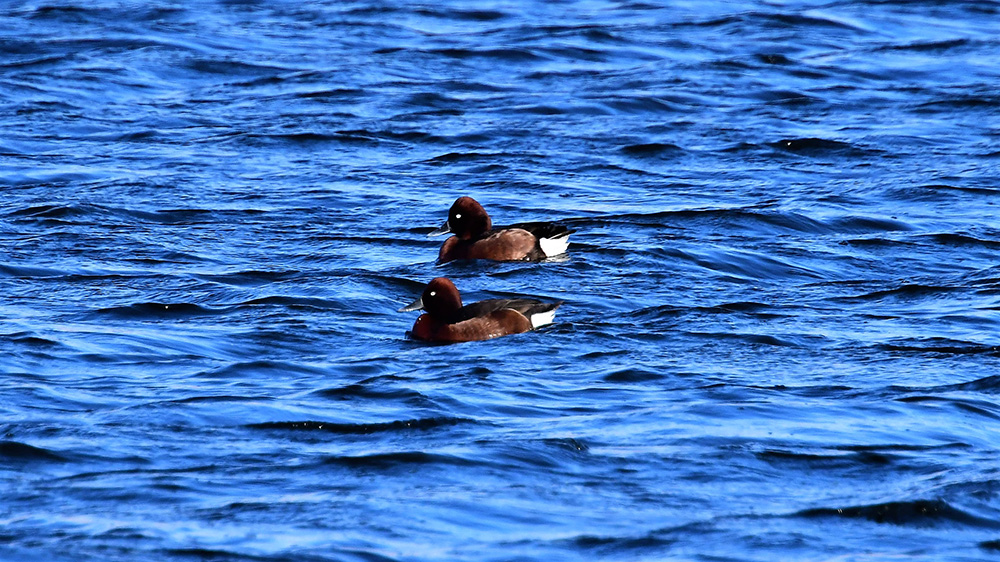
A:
[476, 238]
[446, 320]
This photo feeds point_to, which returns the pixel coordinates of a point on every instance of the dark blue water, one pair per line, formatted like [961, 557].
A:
[781, 330]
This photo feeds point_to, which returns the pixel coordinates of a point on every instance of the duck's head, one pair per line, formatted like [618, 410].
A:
[467, 219]
[440, 299]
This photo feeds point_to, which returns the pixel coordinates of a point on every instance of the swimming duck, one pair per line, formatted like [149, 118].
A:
[475, 238]
[446, 320]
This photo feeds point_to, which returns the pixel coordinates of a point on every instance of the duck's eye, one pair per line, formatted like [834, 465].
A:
[458, 215]
[433, 293]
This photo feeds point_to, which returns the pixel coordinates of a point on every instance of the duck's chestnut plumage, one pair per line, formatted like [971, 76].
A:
[447, 320]
[475, 237]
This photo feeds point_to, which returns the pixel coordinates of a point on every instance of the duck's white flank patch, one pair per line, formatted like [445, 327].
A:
[554, 246]
[542, 318]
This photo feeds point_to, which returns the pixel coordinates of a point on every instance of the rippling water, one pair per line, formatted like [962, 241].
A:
[780, 337]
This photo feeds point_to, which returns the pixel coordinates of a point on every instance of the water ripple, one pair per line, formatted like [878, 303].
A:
[780, 299]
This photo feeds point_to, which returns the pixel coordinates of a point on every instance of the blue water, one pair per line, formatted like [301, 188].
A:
[781, 330]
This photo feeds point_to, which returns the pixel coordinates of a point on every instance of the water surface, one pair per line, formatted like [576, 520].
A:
[780, 330]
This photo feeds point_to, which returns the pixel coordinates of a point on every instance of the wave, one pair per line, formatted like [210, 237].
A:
[507, 54]
[795, 20]
[987, 385]
[74, 13]
[654, 149]
[249, 278]
[743, 265]
[632, 375]
[990, 545]
[17, 452]
[230, 67]
[419, 424]
[461, 14]
[478, 157]
[337, 94]
[902, 447]
[31, 340]
[552, 454]
[383, 461]
[55, 211]
[306, 137]
[837, 461]
[663, 312]
[639, 105]
[854, 224]
[376, 388]
[976, 407]
[757, 220]
[19, 271]
[156, 310]
[411, 136]
[657, 540]
[905, 513]
[940, 346]
[929, 46]
[64, 213]
[804, 146]
[299, 303]
[967, 102]
[160, 310]
[813, 146]
[909, 194]
[961, 240]
[567, 108]
[753, 339]
[218, 398]
[205, 554]
[210, 554]
[908, 291]
[32, 61]
[618, 545]
[960, 189]
[261, 368]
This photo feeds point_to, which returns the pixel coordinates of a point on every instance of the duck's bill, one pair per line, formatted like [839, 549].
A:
[443, 229]
[415, 305]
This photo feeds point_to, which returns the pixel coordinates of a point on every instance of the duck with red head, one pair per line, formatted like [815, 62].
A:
[475, 238]
[446, 320]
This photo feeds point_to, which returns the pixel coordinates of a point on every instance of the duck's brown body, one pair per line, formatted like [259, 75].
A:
[476, 239]
[446, 320]
[495, 324]
[509, 244]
